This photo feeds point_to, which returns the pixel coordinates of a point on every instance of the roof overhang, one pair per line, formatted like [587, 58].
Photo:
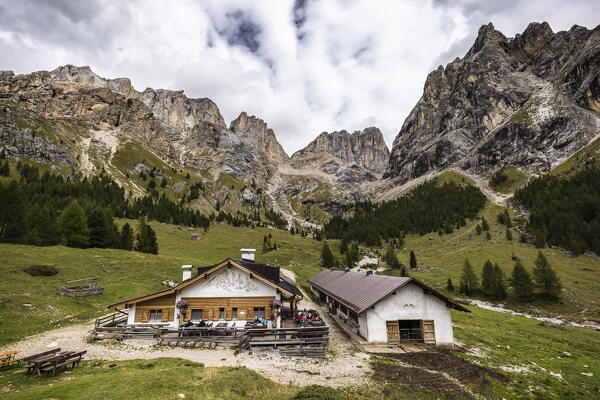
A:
[427, 289]
[203, 275]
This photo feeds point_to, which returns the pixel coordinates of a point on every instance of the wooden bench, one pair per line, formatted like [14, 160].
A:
[62, 362]
[10, 358]
[31, 359]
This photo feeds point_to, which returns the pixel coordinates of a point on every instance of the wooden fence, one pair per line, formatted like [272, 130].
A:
[111, 319]
[305, 341]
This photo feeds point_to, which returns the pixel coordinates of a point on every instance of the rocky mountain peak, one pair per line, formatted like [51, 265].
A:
[365, 148]
[487, 35]
[175, 127]
[255, 131]
[527, 101]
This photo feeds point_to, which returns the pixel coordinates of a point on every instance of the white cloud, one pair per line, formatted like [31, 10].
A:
[359, 63]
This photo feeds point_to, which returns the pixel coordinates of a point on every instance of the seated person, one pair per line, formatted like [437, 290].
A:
[188, 324]
[201, 324]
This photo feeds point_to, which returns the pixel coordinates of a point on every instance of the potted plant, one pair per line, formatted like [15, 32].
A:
[275, 304]
[182, 306]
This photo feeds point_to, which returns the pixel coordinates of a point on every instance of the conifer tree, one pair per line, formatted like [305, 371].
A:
[478, 229]
[498, 289]
[403, 271]
[521, 282]
[126, 237]
[545, 278]
[73, 225]
[146, 238]
[391, 259]
[488, 236]
[163, 183]
[450, 286]
[508, 234]
[97, 223]
[327, 259]
[469, 282]
[413, 260]
[484, 224]
[12, 213]
[344, 244]
[487, 278]
[4, 168]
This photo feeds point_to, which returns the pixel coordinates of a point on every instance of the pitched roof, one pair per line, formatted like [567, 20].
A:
[360, 291]
[268, 273]
[271, 273]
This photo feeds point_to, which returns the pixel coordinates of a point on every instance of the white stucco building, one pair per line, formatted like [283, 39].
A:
[386, 309]
[231, 292]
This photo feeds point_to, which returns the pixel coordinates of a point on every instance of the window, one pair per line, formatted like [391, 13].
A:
[196, 314]
[155, 315]
[221, 313]
[259, 312]
[234, 313]
[343, 309]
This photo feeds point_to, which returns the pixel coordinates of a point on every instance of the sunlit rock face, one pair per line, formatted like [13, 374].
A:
[527, 101]
[176, 128]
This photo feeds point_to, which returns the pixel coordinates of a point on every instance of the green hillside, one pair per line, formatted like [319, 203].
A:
[443, 257]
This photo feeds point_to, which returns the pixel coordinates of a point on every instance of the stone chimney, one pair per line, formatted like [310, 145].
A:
[187, 272]
[248, 254]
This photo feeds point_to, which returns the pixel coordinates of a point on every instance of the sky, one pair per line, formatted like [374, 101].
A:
[303, 66]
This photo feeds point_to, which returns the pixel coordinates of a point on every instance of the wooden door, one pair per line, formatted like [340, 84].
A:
[428, 331]
[393, 331]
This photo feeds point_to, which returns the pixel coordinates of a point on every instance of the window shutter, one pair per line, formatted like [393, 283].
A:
[188, 315]
[165, 315]
[216, 314]
[208, 315]
[146, 316]
[228, 313]
[250, 314]
[267, 312]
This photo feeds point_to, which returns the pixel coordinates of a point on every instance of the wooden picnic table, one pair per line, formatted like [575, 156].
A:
[39, 361]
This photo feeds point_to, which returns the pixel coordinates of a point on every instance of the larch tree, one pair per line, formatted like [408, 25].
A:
[73, 225]
[469, 282]
[327, 258]
[521, 283]
[413, 260]
[545, 278]
[487, 278]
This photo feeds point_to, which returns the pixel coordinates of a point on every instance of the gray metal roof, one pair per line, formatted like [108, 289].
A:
[360, 291]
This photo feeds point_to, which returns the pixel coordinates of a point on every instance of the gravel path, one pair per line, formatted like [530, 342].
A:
[342, 366]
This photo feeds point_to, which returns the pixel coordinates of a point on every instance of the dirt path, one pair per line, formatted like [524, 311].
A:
[343, 365]
[500, 308]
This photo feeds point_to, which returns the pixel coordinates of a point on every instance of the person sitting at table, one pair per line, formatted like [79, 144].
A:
[201, 324]
[188, 324]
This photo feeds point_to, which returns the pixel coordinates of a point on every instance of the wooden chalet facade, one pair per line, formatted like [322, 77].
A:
[230, 292]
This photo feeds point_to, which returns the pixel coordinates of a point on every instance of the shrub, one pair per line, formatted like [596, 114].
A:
[316, 392]
[41, 270]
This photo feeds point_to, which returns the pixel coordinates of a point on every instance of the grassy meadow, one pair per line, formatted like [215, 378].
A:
[442, 257]
[531, 355]
[125, 274]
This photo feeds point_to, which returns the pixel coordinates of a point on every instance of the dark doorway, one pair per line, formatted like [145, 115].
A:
[410, 329]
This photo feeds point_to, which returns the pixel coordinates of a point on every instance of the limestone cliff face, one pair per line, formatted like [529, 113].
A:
[527, 101]
[255, 132]
[365, 148]
[175, 127]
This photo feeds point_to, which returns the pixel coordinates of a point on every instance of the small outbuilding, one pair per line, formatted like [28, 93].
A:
[386, 309]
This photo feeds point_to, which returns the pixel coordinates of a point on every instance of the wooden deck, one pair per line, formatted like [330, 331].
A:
[304, 341]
